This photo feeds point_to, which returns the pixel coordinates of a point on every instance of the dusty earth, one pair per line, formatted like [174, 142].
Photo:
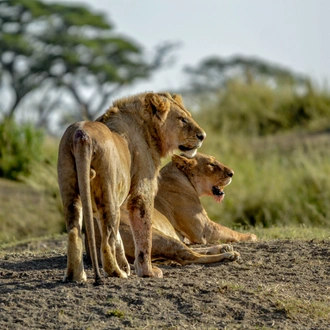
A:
[279, 284]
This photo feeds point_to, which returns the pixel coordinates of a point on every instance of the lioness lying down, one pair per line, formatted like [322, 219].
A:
[179, 214]
[181, 183]
[100, 164]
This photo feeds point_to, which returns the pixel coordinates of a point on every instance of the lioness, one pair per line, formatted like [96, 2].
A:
[179, 215]
[124, 162]
[181, 183]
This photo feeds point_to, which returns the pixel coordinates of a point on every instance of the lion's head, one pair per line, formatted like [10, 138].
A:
[159, 118]
[208, 176]
[178, 130]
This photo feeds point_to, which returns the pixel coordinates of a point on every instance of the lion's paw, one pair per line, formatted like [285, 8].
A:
[154, 272]
[232, 256]
[247, 238]
[215, 249]
[224, 248]
[71, 277]
[157, 272]
[116, 273]
[124, 266]
[253, 238]
[237, 256]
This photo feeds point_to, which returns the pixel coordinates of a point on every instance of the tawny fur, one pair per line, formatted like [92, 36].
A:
[181, 184]
[179, 215]
[143, 128]
[92, 187]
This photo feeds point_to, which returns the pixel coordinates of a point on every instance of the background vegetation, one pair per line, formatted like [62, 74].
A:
[63, 62]
[282, 171]
[277, 141]
[271, 125]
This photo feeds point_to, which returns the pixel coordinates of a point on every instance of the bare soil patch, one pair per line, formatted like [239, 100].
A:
[280, 284]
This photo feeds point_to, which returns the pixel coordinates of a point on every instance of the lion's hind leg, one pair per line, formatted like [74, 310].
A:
[120, 255]
[72, 208]
[75, 267]
[193, 257]
[214, 249]
[164, 246]
[109, 241]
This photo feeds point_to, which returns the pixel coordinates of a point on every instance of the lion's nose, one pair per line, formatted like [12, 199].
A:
[201, 136]
[230, 173]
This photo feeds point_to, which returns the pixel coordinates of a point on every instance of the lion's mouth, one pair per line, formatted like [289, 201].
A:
[188, 152]
[218, 193]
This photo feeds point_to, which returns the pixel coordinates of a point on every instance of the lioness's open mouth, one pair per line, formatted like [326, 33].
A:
[218, 193]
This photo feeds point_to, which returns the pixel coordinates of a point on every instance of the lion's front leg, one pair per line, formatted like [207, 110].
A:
[140, 219]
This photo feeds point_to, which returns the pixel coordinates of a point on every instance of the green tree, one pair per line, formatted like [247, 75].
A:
[213, 73]
[54, 54]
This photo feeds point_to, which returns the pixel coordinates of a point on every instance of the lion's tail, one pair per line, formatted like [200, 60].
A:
[83, 153]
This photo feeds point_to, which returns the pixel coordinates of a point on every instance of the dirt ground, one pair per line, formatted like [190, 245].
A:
[279, 284]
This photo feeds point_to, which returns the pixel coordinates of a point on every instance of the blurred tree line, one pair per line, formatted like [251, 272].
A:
[65, 59]
[254, 97]
[60, 63]
[213, 73]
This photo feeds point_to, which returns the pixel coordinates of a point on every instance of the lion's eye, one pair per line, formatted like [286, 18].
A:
[211, 166]
[184, 120]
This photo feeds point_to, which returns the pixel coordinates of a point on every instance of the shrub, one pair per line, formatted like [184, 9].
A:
[258, 109]
[20, 145]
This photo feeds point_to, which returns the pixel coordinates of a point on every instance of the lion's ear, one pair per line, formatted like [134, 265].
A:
[178, 98]
[157, 105]
[183, 163]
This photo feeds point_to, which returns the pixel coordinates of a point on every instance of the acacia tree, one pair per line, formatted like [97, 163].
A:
[213, 73]
[49, 50]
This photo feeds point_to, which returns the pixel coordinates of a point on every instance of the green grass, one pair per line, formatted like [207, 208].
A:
[115, 313]
[295, 307]
[36, 245]
[32, 207]
[39, 244]
[290, 232]
[277, 142]
[272, 185]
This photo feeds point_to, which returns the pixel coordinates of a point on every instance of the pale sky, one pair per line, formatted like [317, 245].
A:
[293, 33]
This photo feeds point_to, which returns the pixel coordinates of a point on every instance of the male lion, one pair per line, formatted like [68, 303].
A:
[179, 215]
[122, 159]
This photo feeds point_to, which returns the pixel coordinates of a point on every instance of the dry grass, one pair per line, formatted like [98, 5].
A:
[295, 307]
